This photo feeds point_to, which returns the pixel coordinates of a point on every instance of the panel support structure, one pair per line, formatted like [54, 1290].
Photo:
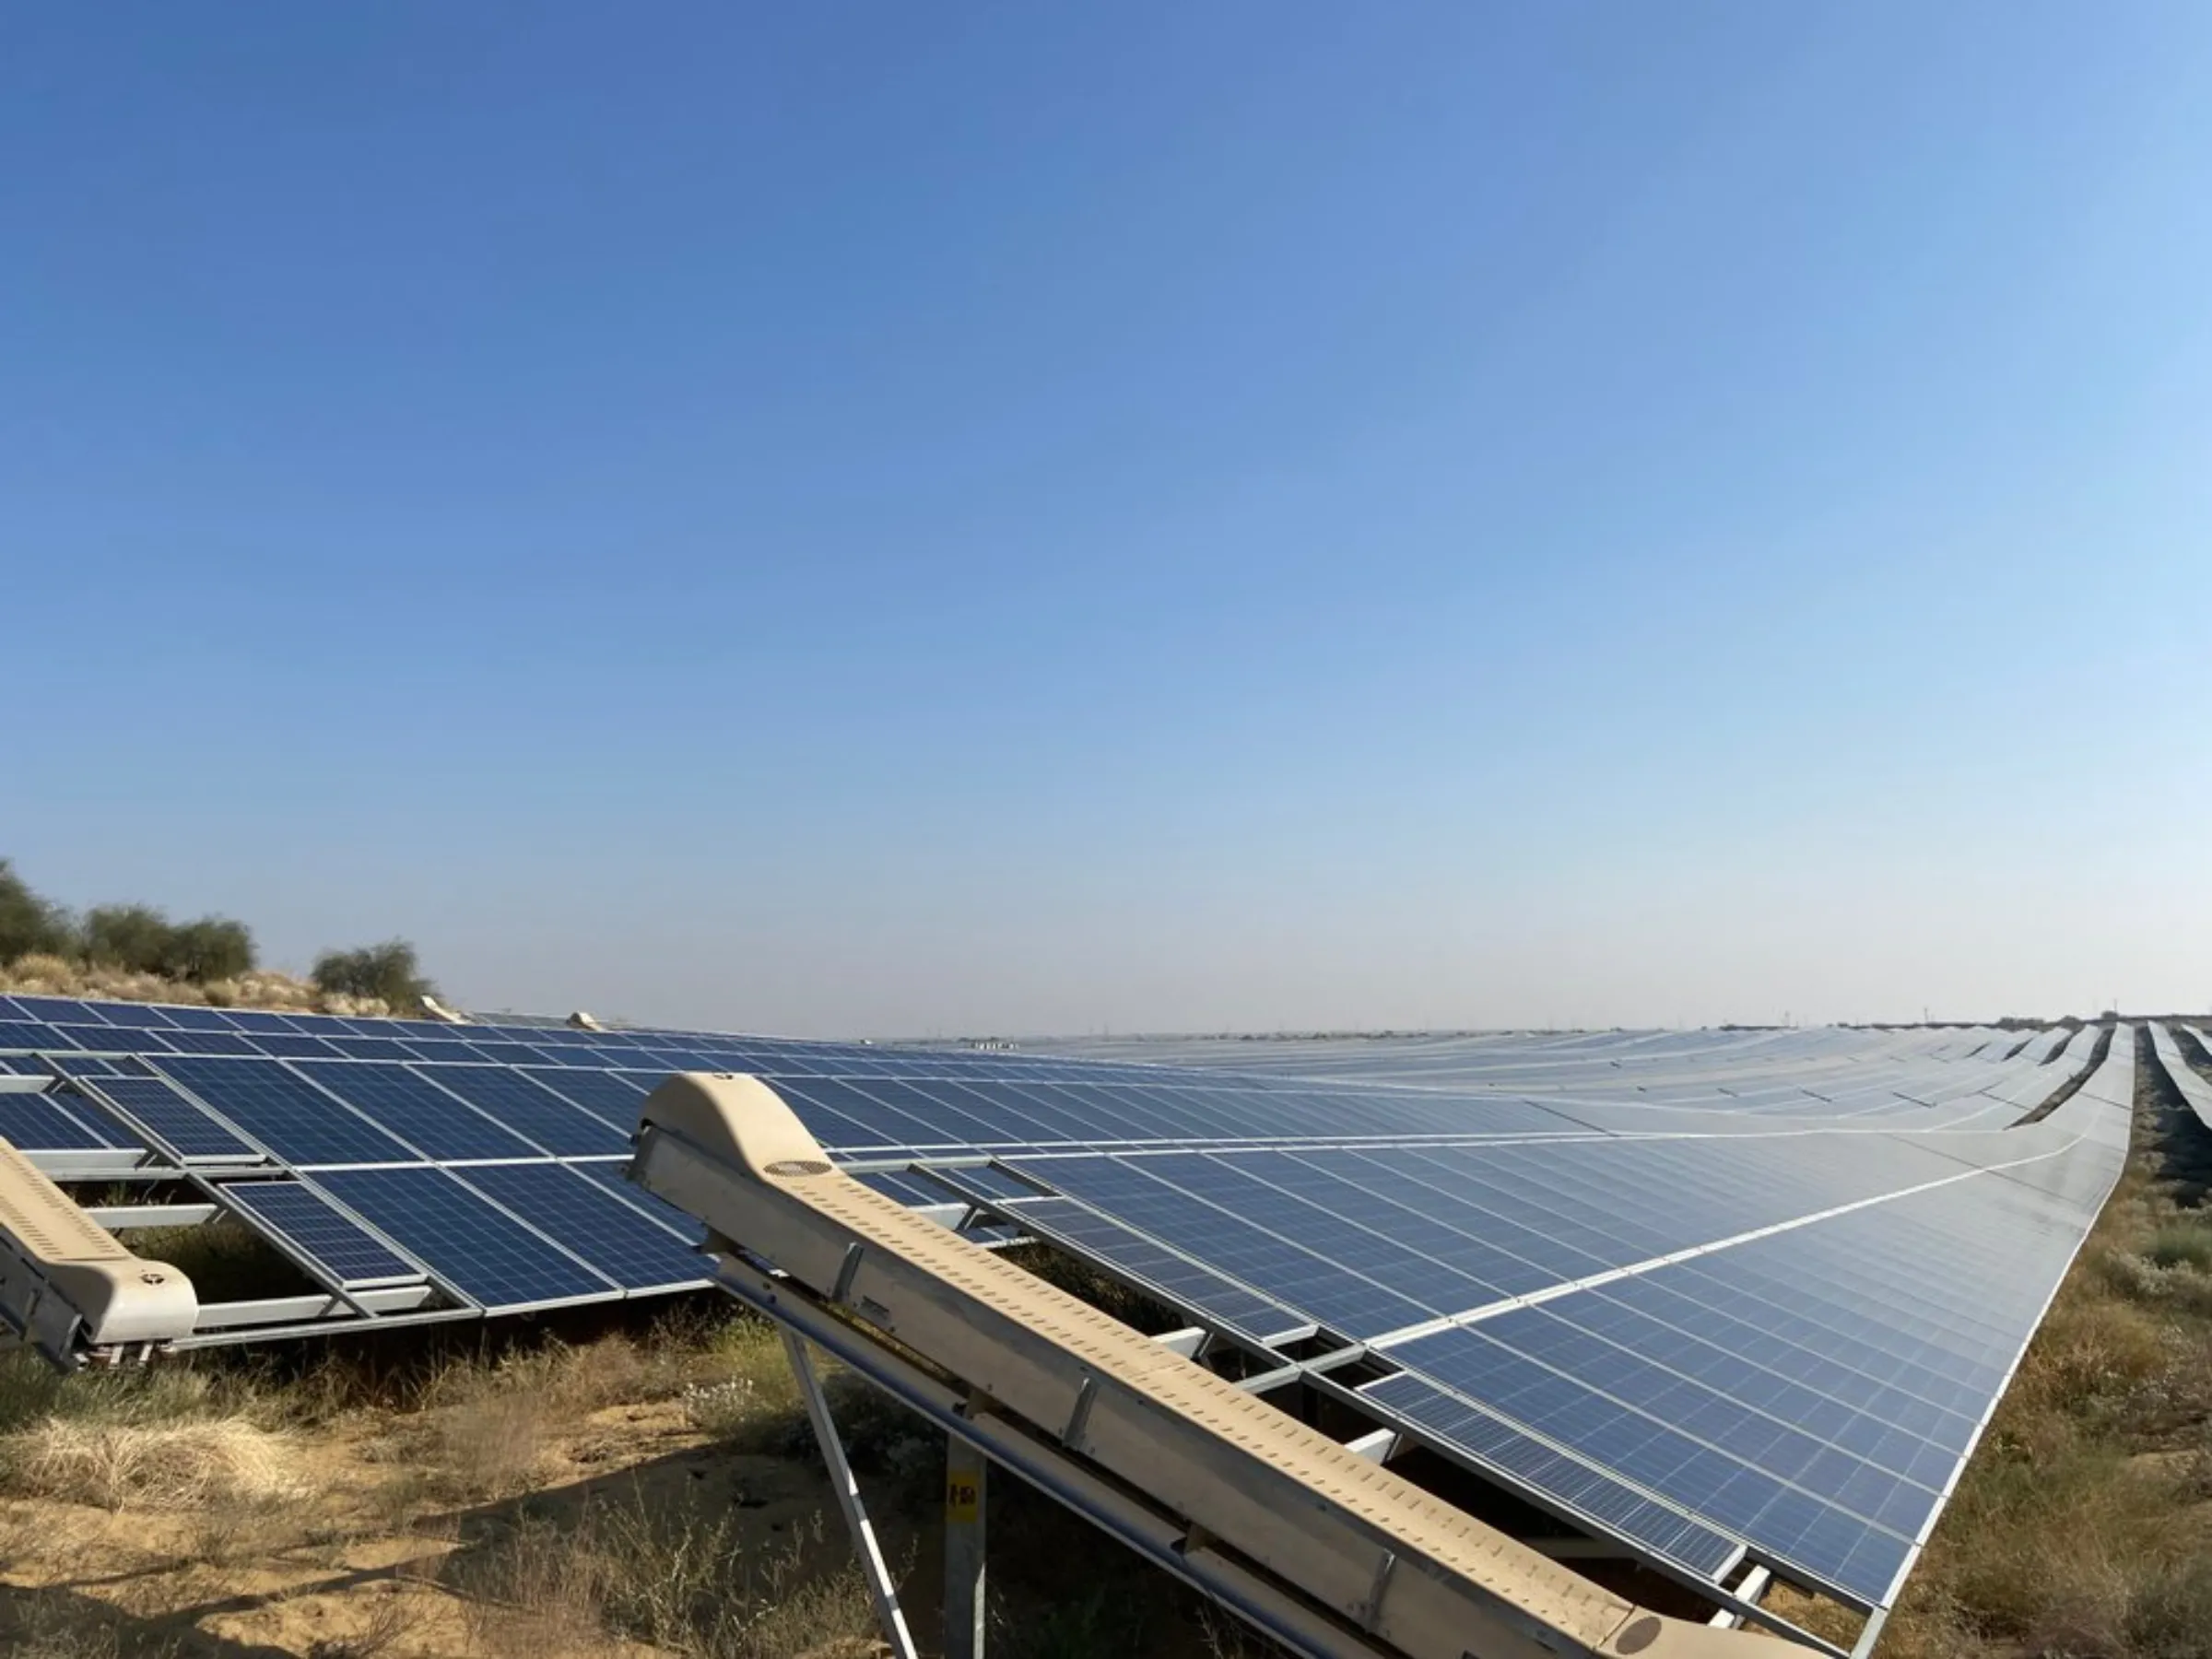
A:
[881, 1590]
[967, 1472]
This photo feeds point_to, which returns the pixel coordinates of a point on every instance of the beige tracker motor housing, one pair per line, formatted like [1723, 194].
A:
[1406, 1572]
[68, 1285]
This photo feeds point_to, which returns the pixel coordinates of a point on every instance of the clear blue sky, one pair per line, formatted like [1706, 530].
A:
[872, 519]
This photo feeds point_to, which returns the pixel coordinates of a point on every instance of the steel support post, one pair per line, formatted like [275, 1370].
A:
[966, 1492]
[881, 1590]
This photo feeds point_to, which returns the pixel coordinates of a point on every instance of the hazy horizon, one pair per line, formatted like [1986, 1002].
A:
[888, 522]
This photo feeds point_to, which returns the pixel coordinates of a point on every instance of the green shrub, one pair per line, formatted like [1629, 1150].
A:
[389, 971]
[2183, 1242]
[214, 948]
[140, 940]
[130, 936]
[30, 925]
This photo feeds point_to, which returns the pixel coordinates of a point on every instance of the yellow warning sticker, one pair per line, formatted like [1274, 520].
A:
[963, 1500]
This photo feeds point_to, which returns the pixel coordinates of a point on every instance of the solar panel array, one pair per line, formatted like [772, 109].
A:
[1714, 1294]
[2190, 1084]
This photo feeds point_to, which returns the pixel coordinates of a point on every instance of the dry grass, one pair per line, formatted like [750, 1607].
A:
[485, 1428]
[673, 1579]
[182, 1466]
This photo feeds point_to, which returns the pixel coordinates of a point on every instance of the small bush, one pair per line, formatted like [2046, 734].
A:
[2183, 1244]
[389, 972]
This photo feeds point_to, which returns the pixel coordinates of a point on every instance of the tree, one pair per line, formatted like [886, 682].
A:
[388, 971]
[140, 940]
[214, 948]
[133, 937]
[29, 924]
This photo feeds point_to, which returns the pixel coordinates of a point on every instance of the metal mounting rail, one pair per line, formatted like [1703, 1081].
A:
[67, 1285]
[1322, 1548]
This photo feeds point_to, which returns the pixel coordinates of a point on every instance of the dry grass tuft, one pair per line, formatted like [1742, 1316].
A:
[676, 1580]
[187, 1466]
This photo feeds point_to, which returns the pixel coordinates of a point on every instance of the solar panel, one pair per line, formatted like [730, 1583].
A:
[636, 1251]
[168, 1112]
[490, 1255]
[348, 1253]
[600, 1093]
[435, 1124]
[612, 1177]
[531, 1110]
[37, 1122]
[284, 1111]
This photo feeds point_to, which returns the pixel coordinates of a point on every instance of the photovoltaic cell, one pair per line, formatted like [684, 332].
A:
[530, 1110]
[35, 1123]
[488, 1254]
[636, 1253]
[303, 1217]
[284, 1111]
[610, 1177]
[416, 1111]
[177, 1120]
[600, 1093]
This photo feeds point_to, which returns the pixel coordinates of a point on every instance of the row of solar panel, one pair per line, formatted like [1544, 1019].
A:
[2187, 1081]
[506, 1236]
[1812, 1386]
[325, 1113]
[329, 1112]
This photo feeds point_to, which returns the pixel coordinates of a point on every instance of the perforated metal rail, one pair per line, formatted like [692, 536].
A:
[67, 1286]
[1331, 1552]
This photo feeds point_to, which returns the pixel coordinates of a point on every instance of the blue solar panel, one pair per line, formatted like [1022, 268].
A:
[611, 1177]
[210, 1043]
[30, 1034]
[260, 1022]
[50, 1009]
[598, 1092]
[531, 1110]
[635, 1251]
[217, 1019]
[145, 1016]
[459, 1053]
[114, 1040]
[488, 1254]
[417, 1112]
[370, 1048]
[283, 1111]
[350, 1255]
[167, 1114]
[1553, 1473]
[33, 1122]
[1174, 1277]
[290, 1045]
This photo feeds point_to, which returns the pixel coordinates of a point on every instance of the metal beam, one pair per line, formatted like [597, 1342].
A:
[116, 1218]
[297, 1310]
[881, 1590]
[967, 1472]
